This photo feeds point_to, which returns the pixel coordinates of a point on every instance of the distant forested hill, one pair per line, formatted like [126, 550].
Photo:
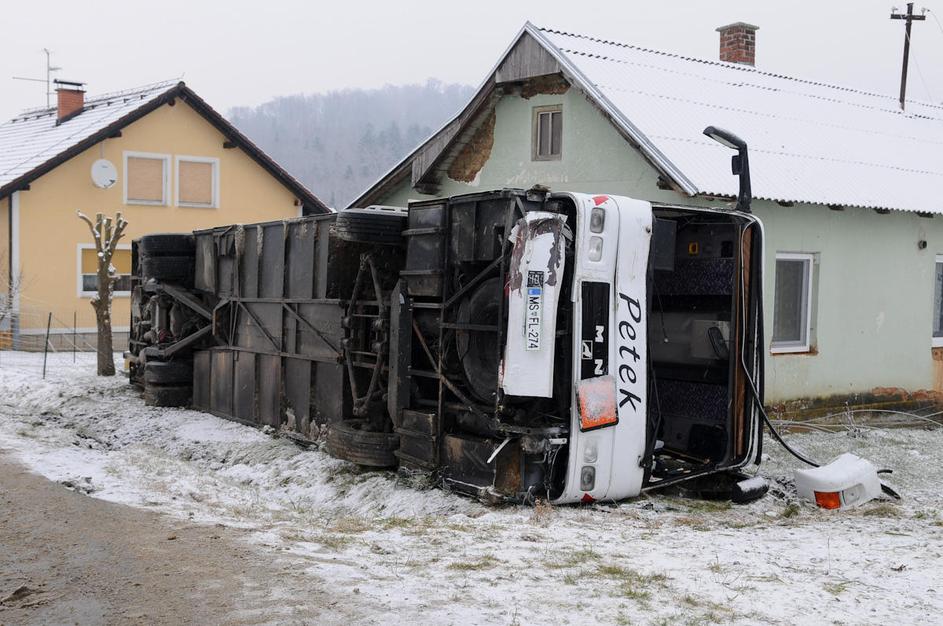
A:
[340, 142]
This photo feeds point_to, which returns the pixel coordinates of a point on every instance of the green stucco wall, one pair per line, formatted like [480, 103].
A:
[872, 305]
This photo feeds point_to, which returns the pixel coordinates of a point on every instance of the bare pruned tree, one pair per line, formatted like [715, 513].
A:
[106, 234]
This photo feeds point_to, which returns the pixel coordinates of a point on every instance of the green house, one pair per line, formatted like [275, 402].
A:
[846, 183]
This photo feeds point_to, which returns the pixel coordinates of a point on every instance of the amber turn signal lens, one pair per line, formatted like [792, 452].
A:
[597, 399]
[828, 499]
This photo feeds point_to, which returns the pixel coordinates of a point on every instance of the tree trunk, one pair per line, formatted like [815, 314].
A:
[106, 234]
[102, 306]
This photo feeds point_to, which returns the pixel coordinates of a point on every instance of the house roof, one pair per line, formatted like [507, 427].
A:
[32, 143]
[809, 141]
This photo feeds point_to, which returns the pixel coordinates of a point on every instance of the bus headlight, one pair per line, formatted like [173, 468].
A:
[587, 478]
[597, 220]
[595, 248]
[590, 452]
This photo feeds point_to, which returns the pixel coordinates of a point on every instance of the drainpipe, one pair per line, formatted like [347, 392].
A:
[11, 279]
[10, 243]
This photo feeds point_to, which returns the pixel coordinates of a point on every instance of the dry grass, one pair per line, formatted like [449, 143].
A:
[484, 562]
[542, 514]
[882, 509]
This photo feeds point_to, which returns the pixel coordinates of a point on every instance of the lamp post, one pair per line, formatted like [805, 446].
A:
[739, 163]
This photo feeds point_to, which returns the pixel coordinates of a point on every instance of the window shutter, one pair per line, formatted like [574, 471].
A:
[145, 179]
[121, 259]
[195, 182]
[89, 261]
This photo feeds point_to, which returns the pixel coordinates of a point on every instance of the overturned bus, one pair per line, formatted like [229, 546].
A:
[514, 344]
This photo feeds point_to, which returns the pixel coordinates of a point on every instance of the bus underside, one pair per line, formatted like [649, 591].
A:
[385, 336]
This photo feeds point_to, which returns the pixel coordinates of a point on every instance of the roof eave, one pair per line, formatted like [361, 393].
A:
[307, 198]
[75, 149]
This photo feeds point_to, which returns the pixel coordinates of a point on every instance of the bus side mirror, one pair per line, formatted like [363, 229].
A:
[739, 164]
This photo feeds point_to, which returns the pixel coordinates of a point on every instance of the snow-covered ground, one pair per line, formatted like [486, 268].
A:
[428, 556]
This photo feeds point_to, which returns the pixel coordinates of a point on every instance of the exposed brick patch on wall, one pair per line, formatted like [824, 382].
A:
[475, 153]
[551, 84]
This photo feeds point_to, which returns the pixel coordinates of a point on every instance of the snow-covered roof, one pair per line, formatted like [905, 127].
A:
[33, 138]
[32, 143]
[808, 141]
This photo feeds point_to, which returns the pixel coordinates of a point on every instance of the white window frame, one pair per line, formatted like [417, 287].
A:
[147, 155]
[196, 159]
[935, 342]
[78, 271]
[787, 347]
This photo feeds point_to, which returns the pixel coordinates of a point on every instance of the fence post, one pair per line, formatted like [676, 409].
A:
[46, 346]
[74, 335]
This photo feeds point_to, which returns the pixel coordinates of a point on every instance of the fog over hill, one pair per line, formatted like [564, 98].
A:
[338, 143]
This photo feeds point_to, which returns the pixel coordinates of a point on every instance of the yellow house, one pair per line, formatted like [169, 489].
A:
[159, 154]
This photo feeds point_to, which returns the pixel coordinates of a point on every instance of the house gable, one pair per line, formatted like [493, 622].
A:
[50, 236]
[34, 144]
[528, 68]
[495, 151]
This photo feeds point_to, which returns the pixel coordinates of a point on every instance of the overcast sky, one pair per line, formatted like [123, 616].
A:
[244, 52]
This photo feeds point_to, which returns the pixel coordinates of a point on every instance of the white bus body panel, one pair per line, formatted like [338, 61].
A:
[619, 449]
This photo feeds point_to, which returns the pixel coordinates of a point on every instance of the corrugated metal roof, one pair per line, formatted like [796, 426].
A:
[809, 142]
[33, 138]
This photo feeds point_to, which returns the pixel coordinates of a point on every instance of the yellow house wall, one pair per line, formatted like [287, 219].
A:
[4, 244]
[50, 231]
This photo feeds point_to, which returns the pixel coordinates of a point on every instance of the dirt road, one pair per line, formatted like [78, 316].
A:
[67, 558]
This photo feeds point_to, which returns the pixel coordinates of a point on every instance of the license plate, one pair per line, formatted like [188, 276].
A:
[534, 311]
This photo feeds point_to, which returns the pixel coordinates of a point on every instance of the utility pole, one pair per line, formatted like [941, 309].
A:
[50, 68]
[909, 17]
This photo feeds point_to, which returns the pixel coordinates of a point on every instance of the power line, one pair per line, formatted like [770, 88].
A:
[935, 19]
[926, 87]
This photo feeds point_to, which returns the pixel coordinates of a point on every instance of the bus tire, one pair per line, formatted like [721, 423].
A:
[168, 372]
[171, 269]
[349, 441]
[167, 395]
[166, 244]
[365, 226]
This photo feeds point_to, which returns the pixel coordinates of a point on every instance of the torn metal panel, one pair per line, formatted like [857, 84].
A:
[535, 270]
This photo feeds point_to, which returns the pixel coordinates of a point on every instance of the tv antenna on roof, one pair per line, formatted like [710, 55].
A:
[50, 68]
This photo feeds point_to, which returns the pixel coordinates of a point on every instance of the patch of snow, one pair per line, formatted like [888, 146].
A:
[429, 556]
[751, 484]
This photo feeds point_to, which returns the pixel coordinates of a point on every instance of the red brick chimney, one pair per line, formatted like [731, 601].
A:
[70, 97]
[738, 43]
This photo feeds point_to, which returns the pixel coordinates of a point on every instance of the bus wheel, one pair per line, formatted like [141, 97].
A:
[349, 441]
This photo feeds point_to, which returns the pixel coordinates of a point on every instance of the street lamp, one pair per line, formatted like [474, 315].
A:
[739, 163]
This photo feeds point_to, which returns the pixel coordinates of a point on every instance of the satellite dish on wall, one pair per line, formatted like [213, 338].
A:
[104, 174]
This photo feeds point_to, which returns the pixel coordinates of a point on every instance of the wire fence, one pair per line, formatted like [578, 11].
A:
[37, 339]
[856, 420]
